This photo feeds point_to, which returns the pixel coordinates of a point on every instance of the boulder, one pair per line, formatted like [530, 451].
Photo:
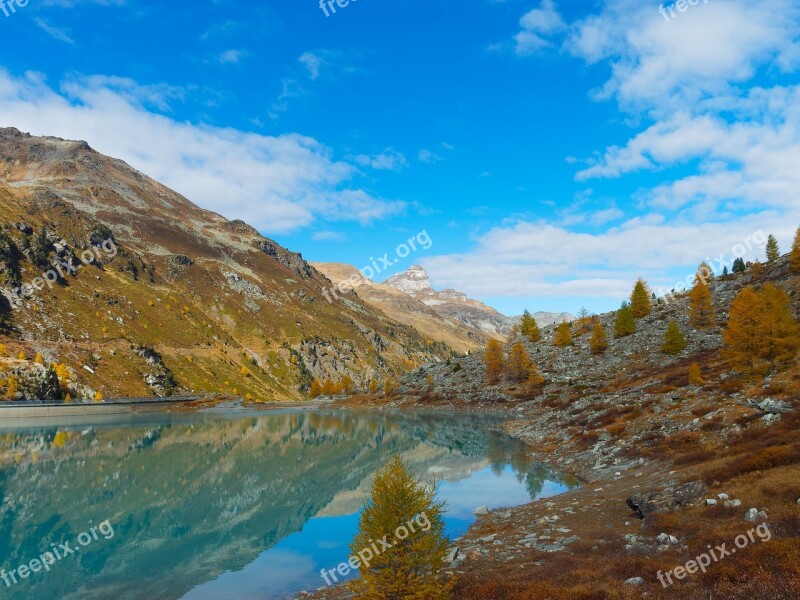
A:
[667, 499]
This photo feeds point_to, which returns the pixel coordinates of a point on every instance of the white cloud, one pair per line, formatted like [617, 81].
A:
[231, 56]
[388, 160]
[726, 151]
[535, 259]
[659, 65]
[329, 236]
[692, 79]
[312, 63]
[427, 156]
[276, 183]
[536, 25]
[57, 33]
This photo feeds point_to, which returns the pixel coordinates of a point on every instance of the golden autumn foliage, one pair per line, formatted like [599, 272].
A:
[563, 336]
[519, 363]
[12, 389]
[795, 254]
[347, 384]
[22, 356]
[599, 340]
[373, 386]
[695, 375]
[62, 372]
[404, 512]
[640, 299]
[3, 350]
[316, 389]
[494, 361]
[535, 378]
[429, 383]
[98, 397]
[704, 273]
[328, 387]
[701, 306]
[762, 333]
[757, 270]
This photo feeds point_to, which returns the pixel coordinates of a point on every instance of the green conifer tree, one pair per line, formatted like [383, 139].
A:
[413, 567]
[626, 323]
[529, 328]
[674, 341]
[773, 250]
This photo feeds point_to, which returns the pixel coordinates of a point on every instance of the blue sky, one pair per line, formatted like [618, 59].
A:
[552, 151]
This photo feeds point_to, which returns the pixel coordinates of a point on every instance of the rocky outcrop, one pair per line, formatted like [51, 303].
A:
[452, 304]
[668, 499]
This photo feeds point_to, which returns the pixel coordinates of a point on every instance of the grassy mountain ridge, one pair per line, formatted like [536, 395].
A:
[189, 301]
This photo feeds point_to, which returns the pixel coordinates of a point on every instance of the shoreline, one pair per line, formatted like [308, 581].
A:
[635, 492]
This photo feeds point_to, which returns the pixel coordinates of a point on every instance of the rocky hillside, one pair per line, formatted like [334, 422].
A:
[456, 306]
[544, 319]
[136, 291]
[671, 465]
[405, 308]
[634, 358]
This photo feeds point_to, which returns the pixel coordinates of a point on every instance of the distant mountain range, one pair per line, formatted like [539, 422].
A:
[473, 313]
[406, 308]
[447, 315]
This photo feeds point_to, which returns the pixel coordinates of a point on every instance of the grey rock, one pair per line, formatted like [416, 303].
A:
[634, 581]
[569, 540]
[481, 511]
[667, 499]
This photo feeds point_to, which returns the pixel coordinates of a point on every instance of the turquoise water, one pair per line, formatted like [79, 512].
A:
[238, 506]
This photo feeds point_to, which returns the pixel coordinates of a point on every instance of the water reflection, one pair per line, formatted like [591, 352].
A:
[230, 506]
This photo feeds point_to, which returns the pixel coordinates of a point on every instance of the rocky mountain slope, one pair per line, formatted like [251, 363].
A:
[457, 306]
[405, 308]
[637, 357]
[671, 466]
[146, 293]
